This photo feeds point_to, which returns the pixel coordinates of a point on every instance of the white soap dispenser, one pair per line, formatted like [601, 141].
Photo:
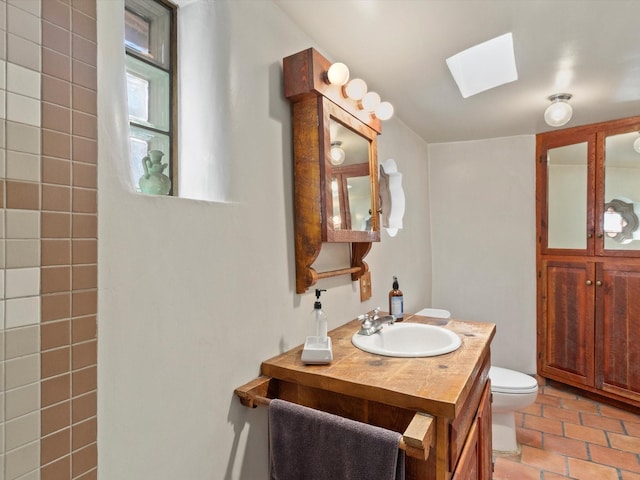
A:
[317, 348]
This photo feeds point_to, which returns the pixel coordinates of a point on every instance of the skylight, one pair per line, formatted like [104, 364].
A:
[485, 66]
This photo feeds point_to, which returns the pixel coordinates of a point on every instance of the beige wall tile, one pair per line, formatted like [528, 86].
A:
[23, 23]
[23, 400]
[22, 460]
[22, 430]
[23, 81]
[22, 371]
[23, 138]
[23, 166]
[22, 341]
[22, 282]
[23, 52]
[22, 109]
[22, 253]
[22, 224]
[30, 6]
[20, 312]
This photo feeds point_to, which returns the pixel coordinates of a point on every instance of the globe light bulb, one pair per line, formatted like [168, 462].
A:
[559, 112]
[370, 101]
[356, 89]
[338, 74]
[336, 154]
[384, 111]
[636, 145]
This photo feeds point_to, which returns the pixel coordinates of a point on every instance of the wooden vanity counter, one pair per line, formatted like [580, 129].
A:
[436, 385]
[441, 404]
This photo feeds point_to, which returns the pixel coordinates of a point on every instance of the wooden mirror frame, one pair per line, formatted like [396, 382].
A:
[314, 102]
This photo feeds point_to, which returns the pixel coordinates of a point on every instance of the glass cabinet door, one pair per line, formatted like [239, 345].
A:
[567, 196]
[620, 210]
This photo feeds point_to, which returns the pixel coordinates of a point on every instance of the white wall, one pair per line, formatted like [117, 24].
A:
[482, 203]
[194, 295]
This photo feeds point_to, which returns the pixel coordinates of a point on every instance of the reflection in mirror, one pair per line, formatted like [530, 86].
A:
[567, 196]
[350, 179]
[621, 192]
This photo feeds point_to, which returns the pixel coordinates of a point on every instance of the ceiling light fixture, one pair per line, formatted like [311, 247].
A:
[337, 154]
[559, 112]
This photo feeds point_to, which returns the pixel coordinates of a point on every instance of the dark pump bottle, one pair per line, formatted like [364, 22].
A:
[396, 301]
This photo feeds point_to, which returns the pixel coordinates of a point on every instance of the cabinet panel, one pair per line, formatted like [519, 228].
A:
[467, 468]
[568, 320]
[618, 329]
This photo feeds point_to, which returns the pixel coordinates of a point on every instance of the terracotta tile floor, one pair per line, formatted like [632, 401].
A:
[566, 435]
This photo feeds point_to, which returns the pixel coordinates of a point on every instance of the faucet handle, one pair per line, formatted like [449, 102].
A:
[365, 319]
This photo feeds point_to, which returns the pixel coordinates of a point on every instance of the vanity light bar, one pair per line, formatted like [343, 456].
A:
[356, 89]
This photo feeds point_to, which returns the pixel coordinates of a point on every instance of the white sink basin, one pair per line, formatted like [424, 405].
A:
[408, 340]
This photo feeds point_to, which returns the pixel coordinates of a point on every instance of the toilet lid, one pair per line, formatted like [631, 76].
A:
[504, 380]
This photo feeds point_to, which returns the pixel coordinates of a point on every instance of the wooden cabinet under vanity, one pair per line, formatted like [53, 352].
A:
[588, 258]
[441, 404]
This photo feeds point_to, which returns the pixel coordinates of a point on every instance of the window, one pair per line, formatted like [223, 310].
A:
[150, 63]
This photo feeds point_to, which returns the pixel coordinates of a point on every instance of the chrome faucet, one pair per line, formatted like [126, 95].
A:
[371, 325]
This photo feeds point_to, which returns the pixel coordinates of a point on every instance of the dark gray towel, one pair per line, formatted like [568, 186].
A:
[307, 444]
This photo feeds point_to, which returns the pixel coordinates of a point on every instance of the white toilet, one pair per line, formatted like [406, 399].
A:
[510, 390]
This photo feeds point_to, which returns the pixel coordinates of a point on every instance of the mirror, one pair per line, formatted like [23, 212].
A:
[567, 196]
[335, 166]
[621, 194]
[350, 179]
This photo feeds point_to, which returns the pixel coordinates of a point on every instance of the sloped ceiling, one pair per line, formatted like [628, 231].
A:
[589, 48]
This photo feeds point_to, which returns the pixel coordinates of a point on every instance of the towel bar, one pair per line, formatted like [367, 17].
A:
[416, 439]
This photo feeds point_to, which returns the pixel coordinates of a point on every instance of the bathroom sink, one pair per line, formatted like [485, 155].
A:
[408, 340]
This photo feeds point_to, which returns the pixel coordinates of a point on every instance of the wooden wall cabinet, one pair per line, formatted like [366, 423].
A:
[588, 258]
[322, 116]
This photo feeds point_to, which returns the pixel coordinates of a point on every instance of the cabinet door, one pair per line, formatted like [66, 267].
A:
[566, 330]
[565, 192]
[484, 435]
[618, 204]
[467, 468]
[618, 329]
